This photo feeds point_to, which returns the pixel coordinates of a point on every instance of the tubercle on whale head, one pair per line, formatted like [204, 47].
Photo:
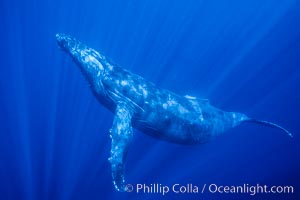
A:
[89, 60]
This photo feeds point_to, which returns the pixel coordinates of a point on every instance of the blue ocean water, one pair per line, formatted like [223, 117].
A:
[241, 55]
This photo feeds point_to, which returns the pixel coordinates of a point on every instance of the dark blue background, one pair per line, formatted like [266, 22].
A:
[242, 55]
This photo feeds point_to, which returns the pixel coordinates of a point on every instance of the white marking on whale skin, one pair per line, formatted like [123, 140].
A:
[143, 91]
[92, 59]
[134, 90]
[201, 118]
[109, 66]
[190, 97]
[179, 119]
[165, 105]
[182, 110]
[124, 83]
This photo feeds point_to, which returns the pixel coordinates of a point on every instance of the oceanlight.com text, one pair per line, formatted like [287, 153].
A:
[212, 188]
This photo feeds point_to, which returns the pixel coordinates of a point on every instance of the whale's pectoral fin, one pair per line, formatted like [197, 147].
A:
[121, 134]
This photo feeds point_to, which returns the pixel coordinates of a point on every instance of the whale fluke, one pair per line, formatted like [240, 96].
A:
[269, 124]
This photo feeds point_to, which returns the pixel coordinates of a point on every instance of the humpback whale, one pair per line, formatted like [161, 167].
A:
[138, 103]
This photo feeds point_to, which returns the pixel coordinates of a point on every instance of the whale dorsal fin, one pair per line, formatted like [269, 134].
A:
[121, 135]
[195, 99]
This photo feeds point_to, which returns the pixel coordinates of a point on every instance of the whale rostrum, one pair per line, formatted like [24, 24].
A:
[138, 103]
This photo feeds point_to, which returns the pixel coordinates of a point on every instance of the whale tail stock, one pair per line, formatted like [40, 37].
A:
[268, 124]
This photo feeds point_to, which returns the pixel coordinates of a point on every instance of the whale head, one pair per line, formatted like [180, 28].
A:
[91, 63]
